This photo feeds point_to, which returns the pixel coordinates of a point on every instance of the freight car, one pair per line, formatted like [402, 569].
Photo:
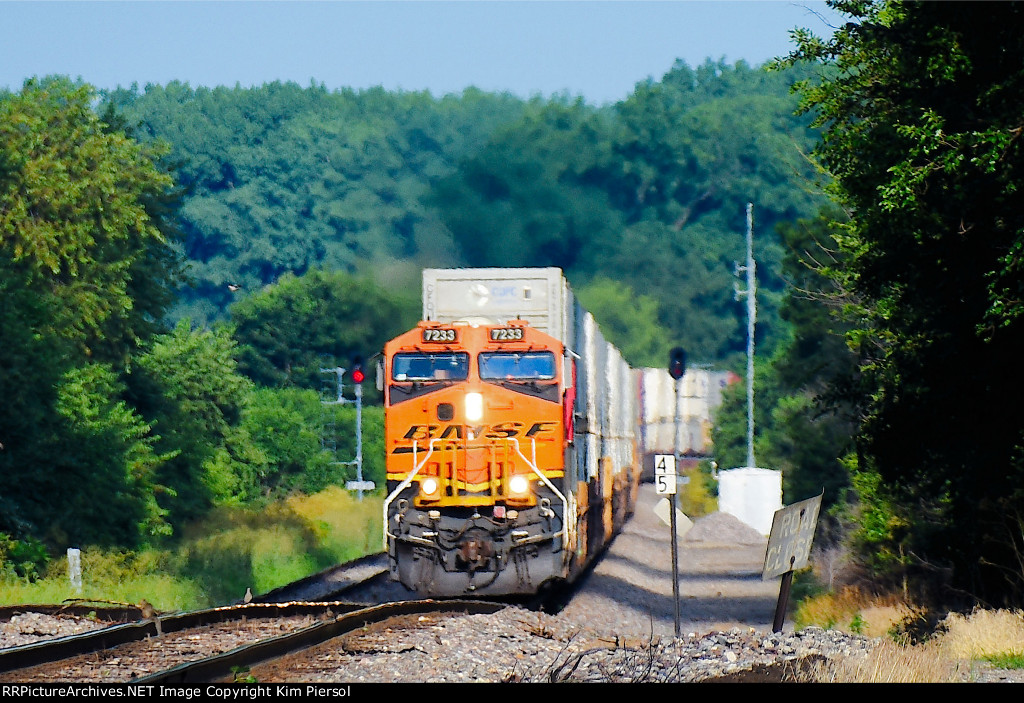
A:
[510, 431]
[676, 416]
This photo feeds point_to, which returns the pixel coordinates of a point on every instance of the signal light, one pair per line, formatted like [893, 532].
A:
[357, 369]
[676, 363]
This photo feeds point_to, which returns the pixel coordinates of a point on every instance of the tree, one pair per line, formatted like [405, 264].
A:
[921, 108]
[531, 196]
[285, 331]
[72, 211]
[814, 416]
[628, 321]
[77, 233]
[186, 383]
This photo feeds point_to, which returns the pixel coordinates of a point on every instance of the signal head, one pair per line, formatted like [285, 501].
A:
[676, 363]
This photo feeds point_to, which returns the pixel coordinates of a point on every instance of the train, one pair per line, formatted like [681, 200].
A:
[513, 435]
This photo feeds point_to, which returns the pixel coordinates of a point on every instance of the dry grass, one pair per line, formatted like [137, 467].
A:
[890, 663]
[852, 610]
[983, 634]
[962, 640]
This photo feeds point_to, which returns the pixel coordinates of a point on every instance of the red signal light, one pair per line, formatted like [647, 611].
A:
[357, 369]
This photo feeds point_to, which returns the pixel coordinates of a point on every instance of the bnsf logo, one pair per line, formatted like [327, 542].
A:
[502, 430]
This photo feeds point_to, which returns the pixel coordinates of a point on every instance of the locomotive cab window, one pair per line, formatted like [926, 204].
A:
[517, 366]
[450, 366]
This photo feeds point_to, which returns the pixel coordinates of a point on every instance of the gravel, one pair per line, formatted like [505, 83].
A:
[619, 627]
[29, 628]
[515, 645]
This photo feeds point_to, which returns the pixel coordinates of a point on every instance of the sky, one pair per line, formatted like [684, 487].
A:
[595, 49]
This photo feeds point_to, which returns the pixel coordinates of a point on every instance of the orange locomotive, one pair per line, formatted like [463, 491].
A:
[476, 432]
[510, 440]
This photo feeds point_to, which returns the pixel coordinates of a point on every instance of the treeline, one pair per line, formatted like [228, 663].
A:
[179, 264]
[117, 428]
[645, 198]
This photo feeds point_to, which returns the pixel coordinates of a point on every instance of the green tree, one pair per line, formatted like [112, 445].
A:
[815, 373]
[285, 331]
[628, 321]
[93, 479]
[921, 111]
[187, 384]
[529, 197]
[72, 210]
[78, 231]
[286, 425]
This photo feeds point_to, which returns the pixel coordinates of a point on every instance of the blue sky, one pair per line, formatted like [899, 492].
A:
[595, 49]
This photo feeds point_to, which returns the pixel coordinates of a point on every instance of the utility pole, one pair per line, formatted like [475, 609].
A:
[751, 293]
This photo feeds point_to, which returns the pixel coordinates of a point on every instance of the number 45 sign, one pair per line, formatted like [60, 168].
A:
[665, 474]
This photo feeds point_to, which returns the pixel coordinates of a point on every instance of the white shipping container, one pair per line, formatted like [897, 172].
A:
[541, 296]
[700, 394]
[605, 394]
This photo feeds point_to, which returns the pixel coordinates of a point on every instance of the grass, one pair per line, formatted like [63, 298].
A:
[695, 497]
[993, 636]
[889, 662]
[218, 558]
[851, 610]
[121, 577]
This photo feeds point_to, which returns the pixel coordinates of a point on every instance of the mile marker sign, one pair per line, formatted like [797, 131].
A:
[665, 474]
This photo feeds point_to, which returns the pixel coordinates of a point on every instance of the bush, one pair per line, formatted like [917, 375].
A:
[24, 558]
[110, 576]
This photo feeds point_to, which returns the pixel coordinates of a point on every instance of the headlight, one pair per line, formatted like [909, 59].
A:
[519, 485]
[474, 407]
[429, 486]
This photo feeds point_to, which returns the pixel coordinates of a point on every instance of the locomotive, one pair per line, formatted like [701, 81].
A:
[510, 433]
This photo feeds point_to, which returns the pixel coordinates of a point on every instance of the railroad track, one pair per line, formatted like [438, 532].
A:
[191, 646]
[208, 645]
[332, 583]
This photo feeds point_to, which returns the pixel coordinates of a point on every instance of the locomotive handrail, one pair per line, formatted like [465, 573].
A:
[568, 532]
[405, 484]
[568, 504]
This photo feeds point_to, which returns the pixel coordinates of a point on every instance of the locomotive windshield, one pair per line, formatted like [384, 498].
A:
[447, 366]
[517, 366]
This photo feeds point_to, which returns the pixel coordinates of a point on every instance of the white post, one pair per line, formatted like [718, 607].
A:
[75, 569]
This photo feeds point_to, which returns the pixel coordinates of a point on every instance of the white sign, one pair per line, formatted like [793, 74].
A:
[360, 485]
[665, 474]
[664, 512]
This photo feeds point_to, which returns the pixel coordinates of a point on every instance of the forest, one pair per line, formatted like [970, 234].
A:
[178, 264]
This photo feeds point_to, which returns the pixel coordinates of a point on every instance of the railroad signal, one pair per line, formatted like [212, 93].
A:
[358, 376]
[676, 363]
